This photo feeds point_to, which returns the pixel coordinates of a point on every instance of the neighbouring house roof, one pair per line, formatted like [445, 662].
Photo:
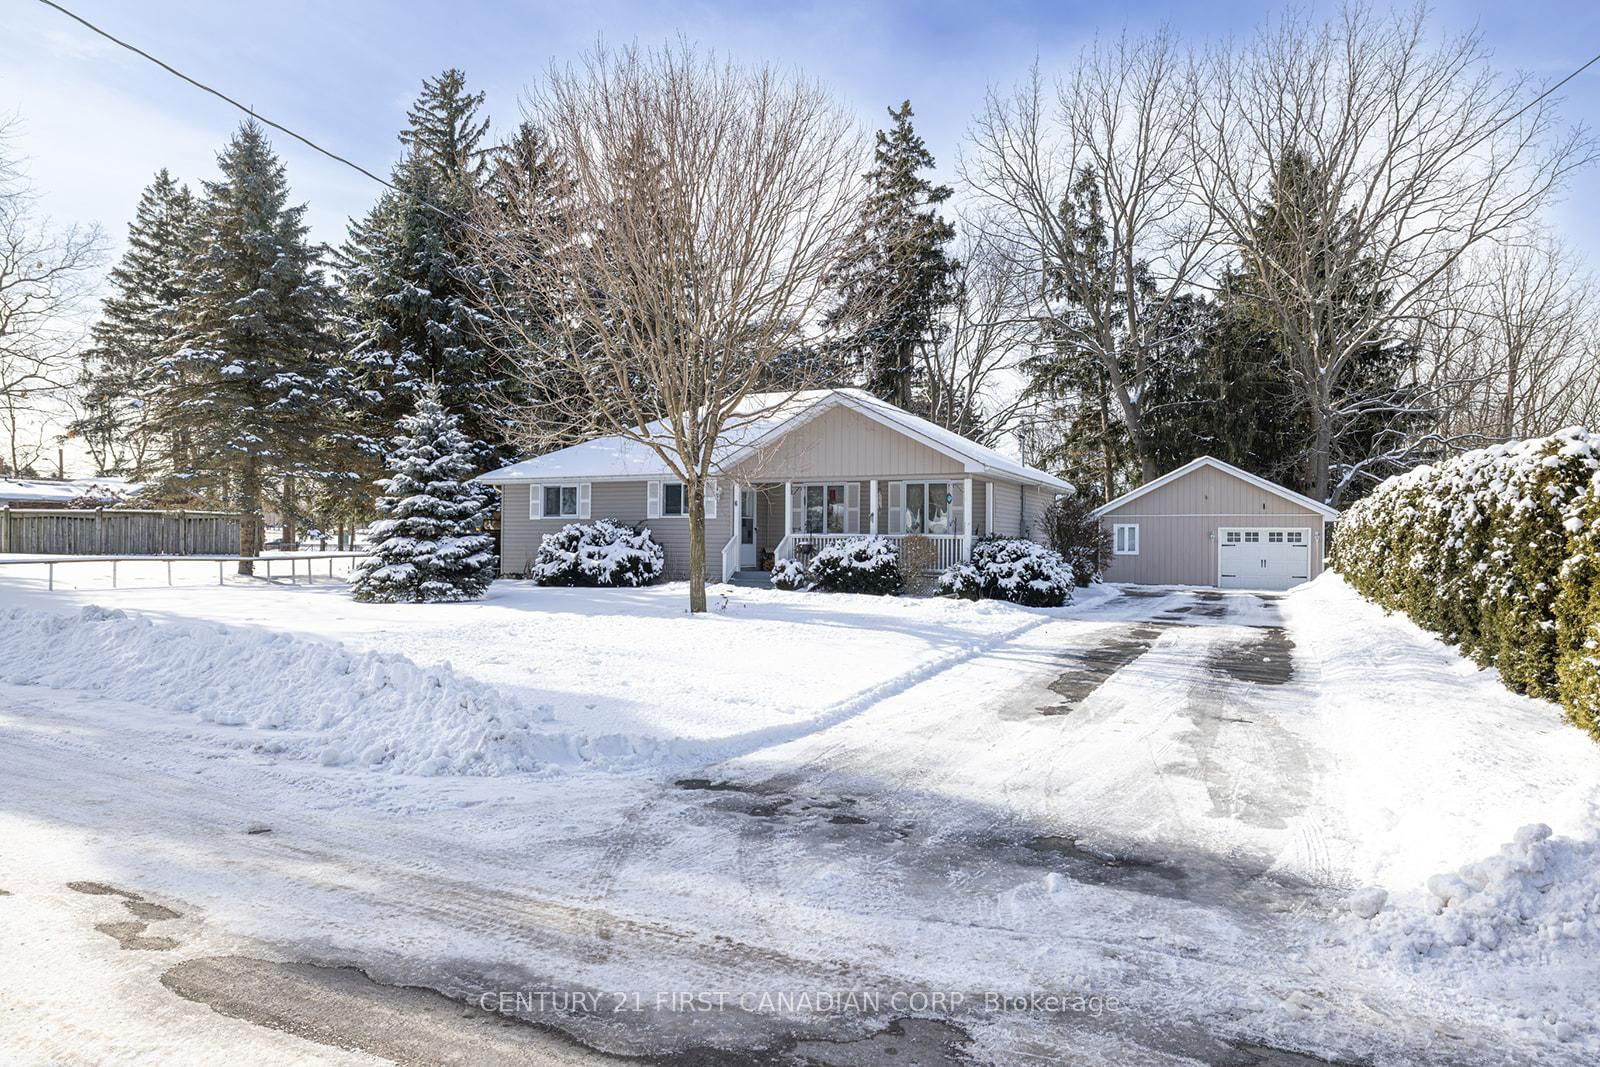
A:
[760, 421]
[1227, 468]
[44, 491]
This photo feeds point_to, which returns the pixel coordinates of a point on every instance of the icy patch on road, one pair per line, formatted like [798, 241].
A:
[316, 700]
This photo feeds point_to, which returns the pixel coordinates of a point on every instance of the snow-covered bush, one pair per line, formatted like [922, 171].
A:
[790, 574]
[1005, 568]
[1491, 549]
[867, 564]
[962, 582]
[428, 546]
[1578, 615]
[598, 553]
[1081, 539]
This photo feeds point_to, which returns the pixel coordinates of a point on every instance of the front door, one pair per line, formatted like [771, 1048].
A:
[747, 527]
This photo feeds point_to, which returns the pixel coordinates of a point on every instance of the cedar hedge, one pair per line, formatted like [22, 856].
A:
[1498, 551]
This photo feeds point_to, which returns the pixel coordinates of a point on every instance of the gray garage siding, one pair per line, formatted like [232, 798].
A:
[1178, 526]
[624, 502]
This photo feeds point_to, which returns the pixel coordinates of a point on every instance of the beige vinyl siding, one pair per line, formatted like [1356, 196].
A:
[1035, 499]
[625, 503]
[1178, 526]
[1007, 508]
[841, 444]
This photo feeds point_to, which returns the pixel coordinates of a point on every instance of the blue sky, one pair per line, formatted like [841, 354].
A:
[96, 121]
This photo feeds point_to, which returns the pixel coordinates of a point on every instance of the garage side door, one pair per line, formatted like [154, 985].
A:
[1263, 558]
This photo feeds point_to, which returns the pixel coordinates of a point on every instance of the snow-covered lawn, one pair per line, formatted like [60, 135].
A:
[1258, 822]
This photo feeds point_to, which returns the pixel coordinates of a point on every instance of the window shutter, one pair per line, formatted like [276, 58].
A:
[583, 500]
[652, 500]
[797, 509]
[711, 498]
[535, 501]
[852, 507]
[958, 510]
[897, 507]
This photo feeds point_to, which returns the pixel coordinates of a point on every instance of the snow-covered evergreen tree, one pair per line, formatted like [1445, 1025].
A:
[248, 388]
[412, 281]
[897, 275]
[428, 546]
[137, 328]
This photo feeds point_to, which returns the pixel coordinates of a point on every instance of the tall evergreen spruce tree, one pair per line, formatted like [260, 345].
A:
[248, 388]
[137, 328]
[428, 545]
[413, 284]
[897, 275]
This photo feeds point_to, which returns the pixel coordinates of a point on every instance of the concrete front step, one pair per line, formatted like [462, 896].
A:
[753, 578]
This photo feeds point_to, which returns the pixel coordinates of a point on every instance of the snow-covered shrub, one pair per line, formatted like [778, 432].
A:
[1491, 550]
[1081, 539]
[1578, 615]
[790, 574]
[919, 557]
[428, 546]
[868, 564]
[598, 553]
[962, 582]
[1021, 571]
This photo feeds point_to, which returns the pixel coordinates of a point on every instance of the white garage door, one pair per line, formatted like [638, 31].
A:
[1264, 558]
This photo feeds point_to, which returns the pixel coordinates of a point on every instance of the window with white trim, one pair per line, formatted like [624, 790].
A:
[674, 499]
[1125, 538]
[930, 508]
[1296, 537]
[554, 502]
[1233, 537]
[1275, 537]
[1252, 537]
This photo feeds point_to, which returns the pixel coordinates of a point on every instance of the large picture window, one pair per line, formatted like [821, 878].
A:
[932, 508]
[824, 507]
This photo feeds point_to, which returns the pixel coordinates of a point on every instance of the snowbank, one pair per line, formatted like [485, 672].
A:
[1538, 889]
[311, 699]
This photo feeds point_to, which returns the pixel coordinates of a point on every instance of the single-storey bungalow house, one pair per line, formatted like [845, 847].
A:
[795, 471]
[1210, 523]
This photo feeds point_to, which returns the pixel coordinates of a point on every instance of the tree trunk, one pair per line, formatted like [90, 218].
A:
[1109, 461]
[250, 514]
[697, 545]
[1319, 458]
[289, 532]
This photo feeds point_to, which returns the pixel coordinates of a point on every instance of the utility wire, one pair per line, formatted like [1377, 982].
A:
[203, 87]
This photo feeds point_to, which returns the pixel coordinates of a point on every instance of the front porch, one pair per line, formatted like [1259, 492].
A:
[776, 521]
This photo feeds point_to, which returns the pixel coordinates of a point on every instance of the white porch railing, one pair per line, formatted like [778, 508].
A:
[730, 555]
[949, 549]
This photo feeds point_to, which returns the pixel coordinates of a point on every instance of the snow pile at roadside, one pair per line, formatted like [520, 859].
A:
[319, 700]
[1536, 893]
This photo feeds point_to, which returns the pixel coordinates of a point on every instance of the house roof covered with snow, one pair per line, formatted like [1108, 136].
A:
[760, 421]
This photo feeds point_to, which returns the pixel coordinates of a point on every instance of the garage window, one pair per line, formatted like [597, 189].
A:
[1125, 538]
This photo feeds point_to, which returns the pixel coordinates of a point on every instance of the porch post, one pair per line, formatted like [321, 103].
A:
[988, 508]
[872, 505]
[966, 522]
[788, 508]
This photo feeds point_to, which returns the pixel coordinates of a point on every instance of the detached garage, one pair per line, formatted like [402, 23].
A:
[1210, 523]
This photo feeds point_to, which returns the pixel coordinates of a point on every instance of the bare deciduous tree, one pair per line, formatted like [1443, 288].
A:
[1118, 128]
[973, 381]
[1416, 153]
[45, 274]
[1512, 341]
[705, 208]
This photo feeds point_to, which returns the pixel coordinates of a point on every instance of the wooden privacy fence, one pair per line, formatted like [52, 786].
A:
[103, 532]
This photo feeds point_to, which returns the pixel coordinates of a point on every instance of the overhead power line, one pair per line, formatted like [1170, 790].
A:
[225, 98]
